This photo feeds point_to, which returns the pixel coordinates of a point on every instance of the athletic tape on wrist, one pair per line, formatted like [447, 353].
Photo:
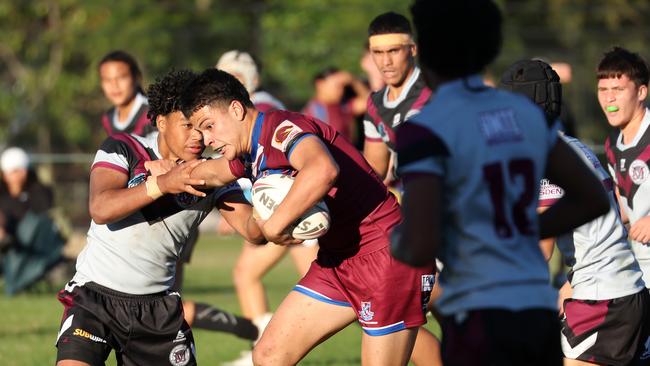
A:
[153, 190]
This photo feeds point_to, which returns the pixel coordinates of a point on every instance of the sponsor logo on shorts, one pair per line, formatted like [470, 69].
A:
[180, 337]
[638, 171]
[82, 333]
[427, 282]
[365, 313]
[180, 355]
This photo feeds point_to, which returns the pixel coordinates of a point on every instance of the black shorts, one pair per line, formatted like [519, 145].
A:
[142, 329]
[494, 337]
[611, 332]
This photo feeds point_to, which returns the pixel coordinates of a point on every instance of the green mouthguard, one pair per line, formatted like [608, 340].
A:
[612, 108]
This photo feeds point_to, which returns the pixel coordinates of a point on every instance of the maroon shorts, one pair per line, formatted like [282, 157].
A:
[387, 295]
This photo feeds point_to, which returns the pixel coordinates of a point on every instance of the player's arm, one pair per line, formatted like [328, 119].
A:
[378, 155]
[217, 172]
[234, 208]
[110, 201]
[546, 245]
[621, 210]
[317, 173]
[417, 240]
[584, 196]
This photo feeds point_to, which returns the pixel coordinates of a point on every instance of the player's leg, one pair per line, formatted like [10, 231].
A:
[253, 263]
[426, 351]
[297, 326]
[302, 256]
[206, 316]
[390, 349]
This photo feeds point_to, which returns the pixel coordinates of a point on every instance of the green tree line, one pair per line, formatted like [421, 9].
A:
[50, 100]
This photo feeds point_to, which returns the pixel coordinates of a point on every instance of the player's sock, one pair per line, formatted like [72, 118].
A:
[211, 318]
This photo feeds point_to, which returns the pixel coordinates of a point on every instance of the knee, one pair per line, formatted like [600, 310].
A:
[266, 353]
[242, 275]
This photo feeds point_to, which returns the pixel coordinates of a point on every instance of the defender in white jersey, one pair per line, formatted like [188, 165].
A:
[604, 303]
[471, 162]
[119, 297]
[622, 91]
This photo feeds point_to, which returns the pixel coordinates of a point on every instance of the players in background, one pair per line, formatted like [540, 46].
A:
[622, 90]
[121, 81]
[605, 280]
[329, 103]
[393, 51]
[255, 261]
[140, 223]
[353, 277]
[471, 163]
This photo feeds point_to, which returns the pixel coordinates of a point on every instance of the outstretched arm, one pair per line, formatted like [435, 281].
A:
[111, 200]
[215, 172]
[584, 196]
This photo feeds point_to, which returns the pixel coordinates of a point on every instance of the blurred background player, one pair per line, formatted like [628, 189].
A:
[393, 50]
[30, 242]
[121, 81]
[622, 90]
[605, 307]
[255, 261]
[471, 163]
[338, 98]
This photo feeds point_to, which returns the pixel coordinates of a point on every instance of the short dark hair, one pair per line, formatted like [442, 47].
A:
[457, 38]
[127, 58]
[213, 86]
[165, 94]
[389, 22]
[618, 62]
[324, 73]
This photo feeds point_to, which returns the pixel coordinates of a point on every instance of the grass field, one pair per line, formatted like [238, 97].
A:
[30, 321]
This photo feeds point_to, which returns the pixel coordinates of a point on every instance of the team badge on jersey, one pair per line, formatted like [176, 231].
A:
[180, 355]
[365, 313]
[284, 134]
[397, 119]
[638, 171]
[185, 199]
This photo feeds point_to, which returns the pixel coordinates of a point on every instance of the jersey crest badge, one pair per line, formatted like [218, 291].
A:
[427, 283]
[284, 135]
[365, 313]
[185, 199]
[638, 171]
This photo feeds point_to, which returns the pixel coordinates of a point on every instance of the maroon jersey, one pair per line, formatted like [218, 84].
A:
[362, 210]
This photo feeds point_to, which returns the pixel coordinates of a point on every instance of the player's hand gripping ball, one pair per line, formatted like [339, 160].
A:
[270, 190]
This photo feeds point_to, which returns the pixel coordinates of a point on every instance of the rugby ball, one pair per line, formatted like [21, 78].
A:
[269, 191]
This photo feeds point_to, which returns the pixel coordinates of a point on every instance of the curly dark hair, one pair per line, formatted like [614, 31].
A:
[213, 86]
[389, 22]
[165, 94]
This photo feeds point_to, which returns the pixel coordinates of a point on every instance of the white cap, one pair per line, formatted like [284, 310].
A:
[242, 64]
[14, 158]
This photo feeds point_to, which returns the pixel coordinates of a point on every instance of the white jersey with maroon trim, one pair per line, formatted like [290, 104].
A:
[489, 147]
[138, 254]
[628, 165]
[602, 264]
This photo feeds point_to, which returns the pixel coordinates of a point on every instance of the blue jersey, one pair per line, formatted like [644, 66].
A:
[489, 147]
